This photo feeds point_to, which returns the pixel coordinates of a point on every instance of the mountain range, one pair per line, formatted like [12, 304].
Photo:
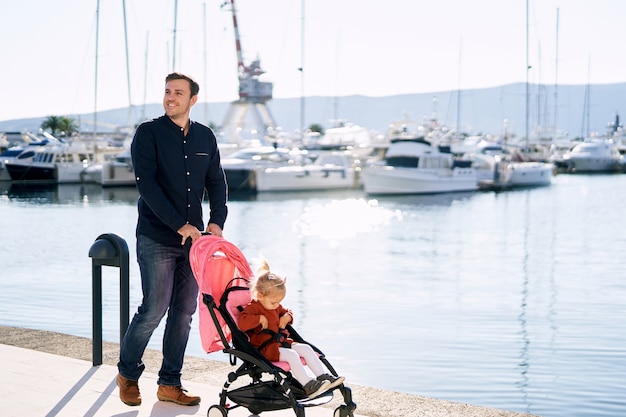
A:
[580, 110]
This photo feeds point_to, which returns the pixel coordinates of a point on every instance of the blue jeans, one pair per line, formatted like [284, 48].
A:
[168, 287]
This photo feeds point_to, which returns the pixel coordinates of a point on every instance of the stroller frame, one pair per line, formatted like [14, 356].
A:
[271, 387]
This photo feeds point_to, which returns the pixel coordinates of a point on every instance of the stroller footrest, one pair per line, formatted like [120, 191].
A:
[285, 365]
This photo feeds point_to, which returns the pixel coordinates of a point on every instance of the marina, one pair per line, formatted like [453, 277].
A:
[511, 300]
[424, 264]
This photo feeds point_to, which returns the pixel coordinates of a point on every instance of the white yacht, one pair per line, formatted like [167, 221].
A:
[594, 156]
[240, 166]
[328, 171]
[61, 162]
[416, 167]
[113, 172]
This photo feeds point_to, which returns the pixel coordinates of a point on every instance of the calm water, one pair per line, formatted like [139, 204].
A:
[513, 300]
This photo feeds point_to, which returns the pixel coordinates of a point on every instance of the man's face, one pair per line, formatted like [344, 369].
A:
[177, 100]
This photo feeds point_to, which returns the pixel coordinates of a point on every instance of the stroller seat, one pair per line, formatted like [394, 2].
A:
[223, 275]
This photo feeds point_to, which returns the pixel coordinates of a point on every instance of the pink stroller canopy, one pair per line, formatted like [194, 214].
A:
[215, 262]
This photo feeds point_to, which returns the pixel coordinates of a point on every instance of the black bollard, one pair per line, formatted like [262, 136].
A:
[108, 250]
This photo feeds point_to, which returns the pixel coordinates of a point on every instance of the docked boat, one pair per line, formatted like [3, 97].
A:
[417, 167]
[11, 155]
[328, 171]
[499, 168]
[557, 151]
[111, 173]
[58, 162]
[240, 166]
[24, 151]
[594, 156]
[342, 137]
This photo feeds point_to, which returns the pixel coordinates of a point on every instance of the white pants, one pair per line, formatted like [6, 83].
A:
[292, 357]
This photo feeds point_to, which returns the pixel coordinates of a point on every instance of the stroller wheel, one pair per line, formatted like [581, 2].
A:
[342, 411]
[216, 411]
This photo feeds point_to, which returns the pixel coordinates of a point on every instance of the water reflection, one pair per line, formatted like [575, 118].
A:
[294, 195]
[511, 300]
[446, 199]
[343, 219]
[49, 193]
[524, 357]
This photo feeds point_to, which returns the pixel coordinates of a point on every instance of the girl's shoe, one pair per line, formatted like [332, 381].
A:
[334, 380]
[313, 388]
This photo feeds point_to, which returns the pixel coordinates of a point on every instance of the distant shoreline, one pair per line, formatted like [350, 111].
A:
[376, 113]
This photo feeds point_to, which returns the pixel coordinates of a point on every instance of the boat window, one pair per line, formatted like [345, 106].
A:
[26, 154]
[403, 161]
[461, 163]
[429, 163]
[435, 163]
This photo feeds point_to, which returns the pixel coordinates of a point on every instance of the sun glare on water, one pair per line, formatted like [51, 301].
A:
[343, 219]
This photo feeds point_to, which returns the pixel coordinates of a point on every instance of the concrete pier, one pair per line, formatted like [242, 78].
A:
[51, 374]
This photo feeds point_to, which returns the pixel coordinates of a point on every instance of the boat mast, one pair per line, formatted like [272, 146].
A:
[302, 99]
[458, 96]
[174, 36]
[145, 77]
[585, 131]
[95, 95]
[130, 103]
[556, 77]
[527, 71]
[206, 82]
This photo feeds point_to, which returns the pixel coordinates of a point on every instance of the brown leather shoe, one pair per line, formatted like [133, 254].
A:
[129, 391]
[176, 395]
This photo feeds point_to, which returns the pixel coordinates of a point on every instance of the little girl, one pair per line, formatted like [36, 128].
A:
[266, 312]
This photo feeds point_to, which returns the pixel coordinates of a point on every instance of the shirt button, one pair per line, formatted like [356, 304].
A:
[189, 189]
[185, 156]
[187, 172]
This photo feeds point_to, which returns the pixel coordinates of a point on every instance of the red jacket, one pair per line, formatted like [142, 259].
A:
[249, 323]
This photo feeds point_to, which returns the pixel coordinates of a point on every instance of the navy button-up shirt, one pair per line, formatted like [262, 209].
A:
[173, 171]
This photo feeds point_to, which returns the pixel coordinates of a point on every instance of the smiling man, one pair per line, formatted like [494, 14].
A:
[176, 162]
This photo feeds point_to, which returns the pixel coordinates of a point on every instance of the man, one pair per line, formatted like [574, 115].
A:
[176, 161]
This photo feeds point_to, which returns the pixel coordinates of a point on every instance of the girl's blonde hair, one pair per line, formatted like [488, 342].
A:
[267, 282]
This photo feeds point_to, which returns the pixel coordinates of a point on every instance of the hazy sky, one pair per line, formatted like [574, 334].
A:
[373, 48]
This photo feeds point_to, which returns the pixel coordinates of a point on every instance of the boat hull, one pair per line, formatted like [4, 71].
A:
[116, 173]
[396, 180]
[69, 173]
[30, 172]
[240, 179]
[592, 164]
[526, 174]
[305, 179]
[594, 156]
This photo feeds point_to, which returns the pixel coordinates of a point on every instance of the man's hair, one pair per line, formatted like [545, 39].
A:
[195, 88]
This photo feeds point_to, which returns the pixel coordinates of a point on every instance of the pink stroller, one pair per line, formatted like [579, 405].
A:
[223, 275]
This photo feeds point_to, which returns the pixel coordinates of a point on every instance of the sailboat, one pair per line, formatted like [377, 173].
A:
[498, 168]
[117, 170]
